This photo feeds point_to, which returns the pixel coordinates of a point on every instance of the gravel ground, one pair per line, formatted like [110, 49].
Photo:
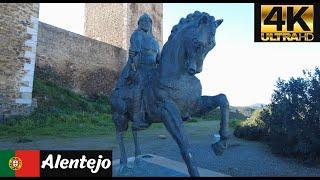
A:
[250, 158]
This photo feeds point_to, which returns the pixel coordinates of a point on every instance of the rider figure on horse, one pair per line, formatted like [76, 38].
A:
[144, 56]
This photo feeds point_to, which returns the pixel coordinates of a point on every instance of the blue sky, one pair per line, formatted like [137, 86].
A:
[243, 70]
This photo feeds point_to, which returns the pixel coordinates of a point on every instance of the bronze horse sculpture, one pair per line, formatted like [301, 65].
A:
[174, 93]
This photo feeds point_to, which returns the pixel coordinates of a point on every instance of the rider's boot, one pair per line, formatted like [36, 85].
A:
[139, 121]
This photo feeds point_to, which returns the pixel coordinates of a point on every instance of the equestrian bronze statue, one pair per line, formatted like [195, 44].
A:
[162, 87]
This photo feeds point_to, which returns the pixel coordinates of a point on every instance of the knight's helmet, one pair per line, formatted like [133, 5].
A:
[147, 17]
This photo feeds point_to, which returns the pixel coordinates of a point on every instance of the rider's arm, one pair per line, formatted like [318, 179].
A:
[134, 49]
[158, 58]
[132, 54]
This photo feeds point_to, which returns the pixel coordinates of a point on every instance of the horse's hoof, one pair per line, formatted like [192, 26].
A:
[123, 170]
[137, 160]
[225, 135]
[195, 172]
[218, 148]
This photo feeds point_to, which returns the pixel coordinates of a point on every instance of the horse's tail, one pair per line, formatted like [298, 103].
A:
[119, 109]
[118, 105]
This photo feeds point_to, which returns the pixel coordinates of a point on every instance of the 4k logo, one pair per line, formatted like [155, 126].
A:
[284, 23]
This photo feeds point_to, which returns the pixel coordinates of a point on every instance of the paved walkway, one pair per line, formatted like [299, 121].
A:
[152, 165]
[249, 159]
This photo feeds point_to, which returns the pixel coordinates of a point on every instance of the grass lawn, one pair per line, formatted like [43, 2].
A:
[63, 113]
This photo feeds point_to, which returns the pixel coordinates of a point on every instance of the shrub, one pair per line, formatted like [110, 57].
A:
[294, 119]
[291, 123]
[252, 128]
[234, 123]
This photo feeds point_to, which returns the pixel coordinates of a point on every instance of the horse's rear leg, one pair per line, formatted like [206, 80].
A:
[123, 155]
[121, 124]
[137, 148]
[173, 122]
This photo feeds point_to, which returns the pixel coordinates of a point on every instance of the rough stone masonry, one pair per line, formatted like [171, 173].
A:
[114, 23]
[87, 65]
[18, 34]
[76, 62]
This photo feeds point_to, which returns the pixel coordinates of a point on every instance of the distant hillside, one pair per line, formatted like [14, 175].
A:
[245, 110]
[257, 105]
[235, 113]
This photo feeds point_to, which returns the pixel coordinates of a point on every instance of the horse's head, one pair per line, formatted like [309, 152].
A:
[199, 39]
[188, 44]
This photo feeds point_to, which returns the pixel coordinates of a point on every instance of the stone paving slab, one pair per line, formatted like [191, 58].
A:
[154, 166]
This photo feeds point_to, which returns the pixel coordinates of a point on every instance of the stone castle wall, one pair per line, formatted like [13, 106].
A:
[106, 22]
[18, 35]
[113, 23]
[87, 65]
[82, 64]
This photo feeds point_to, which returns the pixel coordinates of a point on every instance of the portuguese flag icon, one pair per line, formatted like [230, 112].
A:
[19, 163]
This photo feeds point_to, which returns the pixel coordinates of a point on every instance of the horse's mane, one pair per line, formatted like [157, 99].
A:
[191, 18]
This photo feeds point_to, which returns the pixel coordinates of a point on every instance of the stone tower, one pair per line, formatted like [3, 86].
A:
[18, 37]
[113, 23]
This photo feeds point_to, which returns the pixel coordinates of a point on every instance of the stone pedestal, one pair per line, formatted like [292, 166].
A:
[156, 166]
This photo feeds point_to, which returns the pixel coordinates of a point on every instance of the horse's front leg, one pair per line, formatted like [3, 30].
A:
[224, 111]
[173, 123]
[207, 104]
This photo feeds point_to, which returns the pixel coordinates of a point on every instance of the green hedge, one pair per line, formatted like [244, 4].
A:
[252, 128]
[291, 123]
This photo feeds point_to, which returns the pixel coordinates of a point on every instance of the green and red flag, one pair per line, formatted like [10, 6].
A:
[19, 163]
